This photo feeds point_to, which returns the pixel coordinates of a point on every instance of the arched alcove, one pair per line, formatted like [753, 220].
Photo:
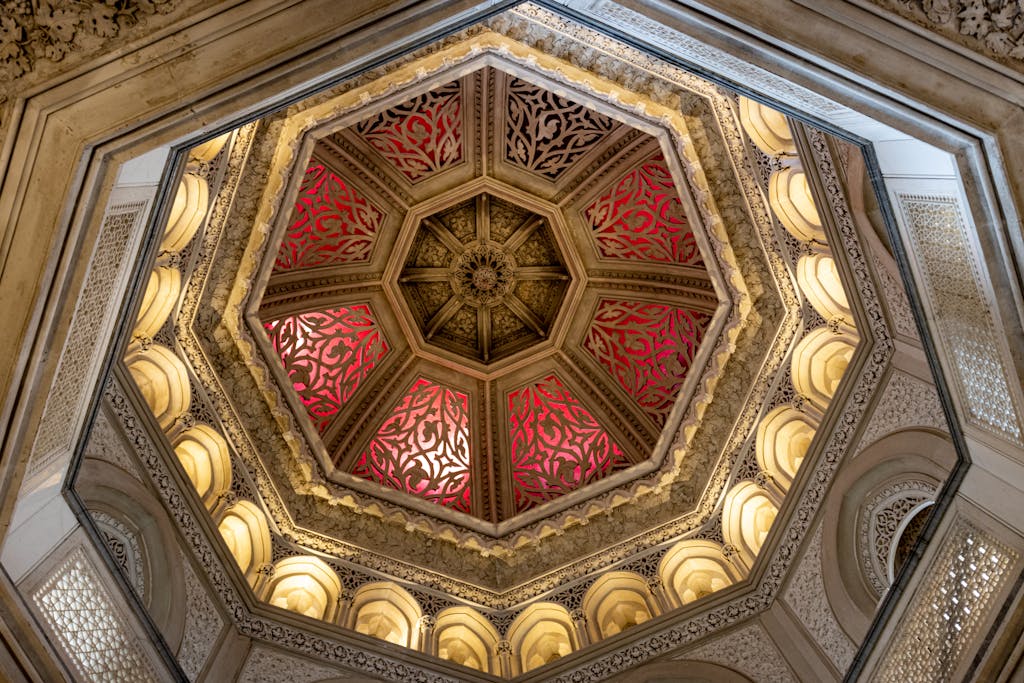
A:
[208, 151]
[388, 612]
[107, 489]
[615, 602]
[204, 456]
[464, 636]
[305, 585]
[819, 363]
[162, 380]
[187, 212]
[876, 484]
[693, 569]
[159, 300]
[791, 201]
[767, 128]
[247, 536]
[818, 279]
[542, 633]
[783, 437]
[747, 517]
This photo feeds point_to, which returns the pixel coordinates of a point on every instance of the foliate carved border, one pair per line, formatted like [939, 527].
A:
[745, 604]
[995, 30]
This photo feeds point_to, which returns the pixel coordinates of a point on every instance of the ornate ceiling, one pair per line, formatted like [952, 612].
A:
[536, 306]
[498, 322]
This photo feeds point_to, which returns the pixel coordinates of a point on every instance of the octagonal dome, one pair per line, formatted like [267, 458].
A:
[488, 296]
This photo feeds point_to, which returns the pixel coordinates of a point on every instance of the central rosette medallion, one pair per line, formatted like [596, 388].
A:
[484, 278]
[483, 274]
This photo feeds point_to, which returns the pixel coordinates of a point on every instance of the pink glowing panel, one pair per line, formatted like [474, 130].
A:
[422, 448]
[327, 354]
[647, 348]
[333, 223]
[641, 218]
[557, 445]
[420, 136]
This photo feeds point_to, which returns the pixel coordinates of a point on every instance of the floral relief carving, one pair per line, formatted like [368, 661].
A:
[34, 31]
[806, 595]
[992, 27]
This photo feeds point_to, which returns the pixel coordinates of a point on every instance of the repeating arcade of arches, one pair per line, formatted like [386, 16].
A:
[544, 631]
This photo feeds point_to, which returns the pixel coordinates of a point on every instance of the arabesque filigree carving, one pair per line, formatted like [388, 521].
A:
[647, 348]
[421, 136]
[327, 355]
[546, 133]
[423, 447]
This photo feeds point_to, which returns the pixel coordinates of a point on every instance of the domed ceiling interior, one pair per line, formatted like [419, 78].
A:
[509, 346]
[546, 243]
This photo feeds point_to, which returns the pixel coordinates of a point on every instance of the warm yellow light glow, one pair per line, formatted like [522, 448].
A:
[245, 532]
[305, 585]
[187, 212]
[161, 296]
[386, 611]
[818, 278]
[207, 151]
[767, 128]
[162, 380]
[542, 633]
[465, 637]
[615, 602]
[747, 517]
[790, 198]
[783, 437]
[204, 456]
[819, 363]
[691, 570]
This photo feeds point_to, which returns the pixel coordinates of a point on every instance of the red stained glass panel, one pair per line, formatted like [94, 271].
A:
[641, 218]
[333, 223]
[647, 348]
[327, 354]
[557, 445]
[421, 136]
[423, 447]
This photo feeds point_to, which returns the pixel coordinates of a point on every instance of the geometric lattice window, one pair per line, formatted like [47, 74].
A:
[641, 218]
[420, 136]
[647, 348]
[332, 224]
[947, 612]
[88, 626]
[423, 447]
[556, 444]
[327, 354]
